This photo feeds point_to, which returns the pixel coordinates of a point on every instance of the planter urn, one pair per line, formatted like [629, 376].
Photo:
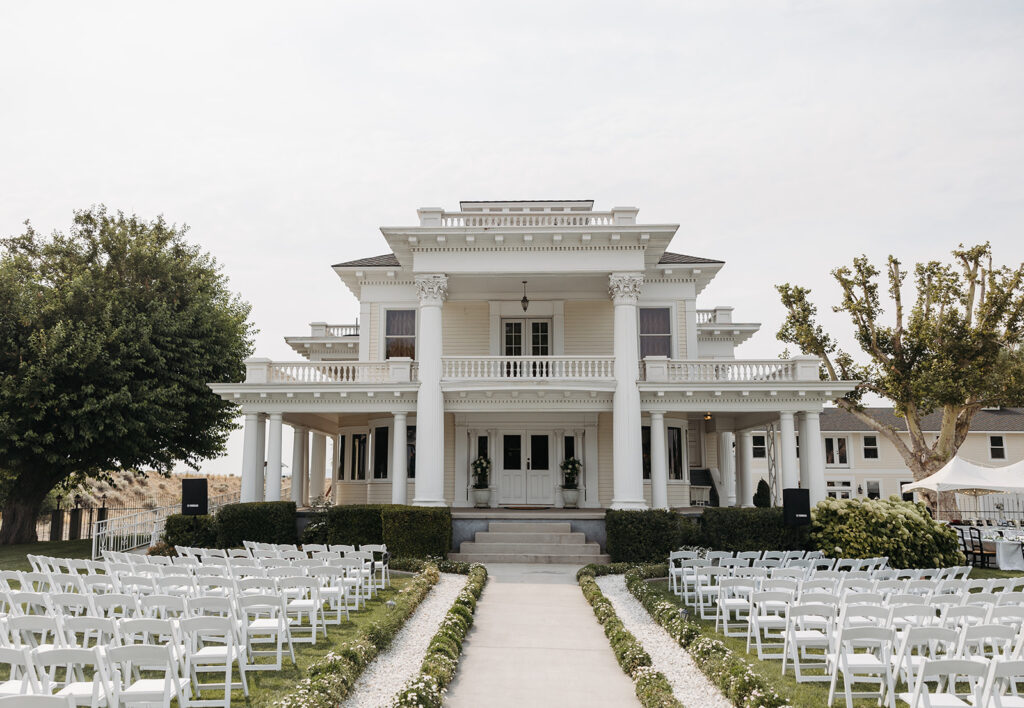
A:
[570, 497]
[481, 497]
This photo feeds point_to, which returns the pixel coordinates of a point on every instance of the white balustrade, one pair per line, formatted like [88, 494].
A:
[331, 372]
[705, 316]
[739, 370]
[527, 367]
[700, 496]
[527, 219]
[347, 330]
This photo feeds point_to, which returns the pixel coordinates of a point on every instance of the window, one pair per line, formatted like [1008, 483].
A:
[569, 447]
[357, 469]
[838, 489]
[760, 445]
[797, 437]
[675, 453]
[380, 453]
[870, 447]
[400, 333]
[655, 331]
[996, 447]
[340, 472]
[645, 446]
[512, 452]
[873, 489]
[410, 446]
[539, 453]
[835, 452]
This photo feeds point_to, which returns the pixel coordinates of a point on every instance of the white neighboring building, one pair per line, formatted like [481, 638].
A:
[861, 463]
[527, 331]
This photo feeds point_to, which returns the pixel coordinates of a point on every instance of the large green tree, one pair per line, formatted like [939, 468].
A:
[954, 349]
[109, 334]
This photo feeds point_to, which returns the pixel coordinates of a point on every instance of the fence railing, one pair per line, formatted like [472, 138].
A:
[126, 533]
[527, 367]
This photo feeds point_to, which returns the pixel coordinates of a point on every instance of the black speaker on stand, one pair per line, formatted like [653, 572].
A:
[194, 498]
[796, 505]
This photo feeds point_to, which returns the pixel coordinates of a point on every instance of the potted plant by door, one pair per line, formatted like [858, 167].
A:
[481, 481]
[571, 468]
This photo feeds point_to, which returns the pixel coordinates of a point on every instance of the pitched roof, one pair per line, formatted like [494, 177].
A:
[387, 259]
[669, 257]
[996, 420]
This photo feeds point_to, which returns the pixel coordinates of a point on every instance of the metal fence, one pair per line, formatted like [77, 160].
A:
[143, 528]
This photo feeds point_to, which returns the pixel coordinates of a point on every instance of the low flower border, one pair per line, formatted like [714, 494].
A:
[651, 687]
[724, 667]
[331, 679]
[427, 688]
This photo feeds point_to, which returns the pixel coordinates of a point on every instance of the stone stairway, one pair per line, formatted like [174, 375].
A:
[526, 542]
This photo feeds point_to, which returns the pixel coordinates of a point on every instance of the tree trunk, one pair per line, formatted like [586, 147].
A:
[19, 516]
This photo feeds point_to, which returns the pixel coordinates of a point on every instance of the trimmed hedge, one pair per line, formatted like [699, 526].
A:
[265, 522]
[408, 531]
[185, 530]
[750, 529]
[648, 535]
[427, 689]
[651, 687]
[355, 524]
[331, 679]
[416, 531]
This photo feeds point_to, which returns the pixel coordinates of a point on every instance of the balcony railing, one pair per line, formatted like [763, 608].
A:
[660, 369]
[718, 315]
[398, 370]
[527, 367]
[580, 218]
[322, 329]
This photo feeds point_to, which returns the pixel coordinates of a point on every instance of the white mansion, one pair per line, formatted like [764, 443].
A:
[528, 332]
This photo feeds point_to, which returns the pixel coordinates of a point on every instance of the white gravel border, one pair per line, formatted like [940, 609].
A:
[388, 673]
[691, 687]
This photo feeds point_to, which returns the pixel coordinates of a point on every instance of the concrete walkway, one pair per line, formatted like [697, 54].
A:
[535, 643]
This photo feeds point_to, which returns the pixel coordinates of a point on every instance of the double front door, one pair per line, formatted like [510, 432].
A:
[526, 474]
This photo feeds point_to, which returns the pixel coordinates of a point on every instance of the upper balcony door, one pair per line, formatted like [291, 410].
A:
[526, 337]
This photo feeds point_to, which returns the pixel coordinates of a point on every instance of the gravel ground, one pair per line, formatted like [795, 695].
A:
[389, 671]
[691, 687]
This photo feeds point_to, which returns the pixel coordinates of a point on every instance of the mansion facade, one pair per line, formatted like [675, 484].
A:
[528, 332]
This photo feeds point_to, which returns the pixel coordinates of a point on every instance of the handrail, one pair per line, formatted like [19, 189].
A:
[527, 367]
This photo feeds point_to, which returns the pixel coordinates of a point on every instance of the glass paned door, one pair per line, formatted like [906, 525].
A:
[512, 475]
[540, 478]
[526, 475]
[527, 338]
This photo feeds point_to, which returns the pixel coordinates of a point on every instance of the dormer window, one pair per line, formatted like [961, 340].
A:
[400, 333]
[655, 331]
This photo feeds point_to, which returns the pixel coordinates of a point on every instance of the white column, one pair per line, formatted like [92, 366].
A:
[494, 446]
[727, 466]
[249, 457]
[305, 470]
[659, 461]
[790, 473]
[811, 452]
[338, 470]
[261, 456]
[317, 466]
[399, 458]
[558, 458]
[745, 469]
[627, 452]
[274, 458]
[432, 291]
[298, 443]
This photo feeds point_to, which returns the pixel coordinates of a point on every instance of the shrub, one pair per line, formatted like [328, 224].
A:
[416, 532]
[161, 548]
[738, 529]
[763, 495]
[649, 535]
[867, 528]
[355, 524]
[188, 530]
[266, 522]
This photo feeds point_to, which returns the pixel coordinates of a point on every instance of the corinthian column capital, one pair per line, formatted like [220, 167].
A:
[624, 288]
[432, 289]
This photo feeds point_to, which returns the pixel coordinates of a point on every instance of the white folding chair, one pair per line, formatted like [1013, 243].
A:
[1002, 686]
[132, 690]
[21, 673]
[766, 624]
[948, 673]
[809, 629]
[211, 647]
[987, 641]
[266, 622]
[302, 599]
[333, 589]
[36, 701]
[863, 655]
[920, 643]
[96, 692]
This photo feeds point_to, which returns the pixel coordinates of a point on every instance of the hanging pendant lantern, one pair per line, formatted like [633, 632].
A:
[525, 302]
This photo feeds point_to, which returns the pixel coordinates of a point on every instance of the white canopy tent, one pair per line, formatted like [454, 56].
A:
[965, 477]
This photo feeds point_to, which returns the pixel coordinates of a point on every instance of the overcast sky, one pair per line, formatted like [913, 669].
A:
[784, 137]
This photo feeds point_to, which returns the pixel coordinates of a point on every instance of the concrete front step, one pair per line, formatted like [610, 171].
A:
[570, 558]
[587, 549]
[507, 537]
[530, 527]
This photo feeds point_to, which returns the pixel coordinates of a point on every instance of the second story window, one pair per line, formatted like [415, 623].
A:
[759, 443]
[870, 447]
[835, 452]
[400, 333]
[996, 447]
[655, 331]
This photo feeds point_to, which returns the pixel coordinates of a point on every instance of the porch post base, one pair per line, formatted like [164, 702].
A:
[429, 502]
[640, 505]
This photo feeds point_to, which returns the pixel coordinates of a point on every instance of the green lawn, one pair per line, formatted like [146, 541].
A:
[13, 557]
[801, 695]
